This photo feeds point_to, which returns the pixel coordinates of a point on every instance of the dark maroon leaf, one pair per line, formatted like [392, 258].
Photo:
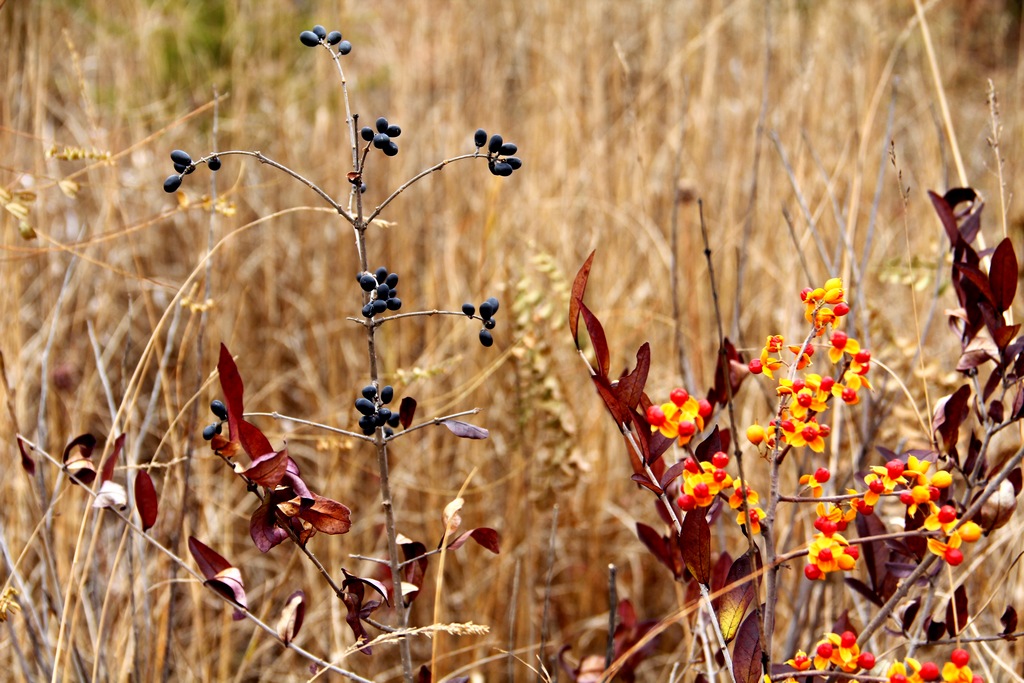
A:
[695, 541]
[413, 573]
[1003, 275]
[579, 287]
[620, 413]
[956, 612]
[108, 466]
[424, 675]
[464, 430]
[376, 586]
[268, 469]
[597, 338]
[79, 463]
[945, 212]
[488, 538]
[976, 277]
[875, 554]
[950, 412]
[970, 226]
[1009, 620]
[1018, 409]
[229, 584]
[253, 440]
[209, 561]
[406, 411]
[29, 465]
[146, 499]
[264, 529]
[642, 479]
[290, 621]
[720, 571]
[662, 548]
[862, 588]
[732, 605]
[1003, 335]
[672, 473]
[630, 387]
[233, 388]
[746, 653]
[935, 630]
[958, 195]
[709, 446]
[909, 614]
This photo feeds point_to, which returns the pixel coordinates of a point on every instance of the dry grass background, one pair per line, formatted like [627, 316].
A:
[614, 106]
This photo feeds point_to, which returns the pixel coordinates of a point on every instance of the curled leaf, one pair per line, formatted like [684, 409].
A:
[290, 621]
[111, 495]
[450, 516]
[77, 459]
[464, 430]
[29, 465]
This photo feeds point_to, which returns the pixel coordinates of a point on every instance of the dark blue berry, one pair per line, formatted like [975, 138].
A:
[385, 414]
[382, 125]
[390, 149]
[469, 309]
[181, 158]
[391, 280]
[387, 393]
[388, 431]
[515, 162]
[381, 274]
[489, 323]
[172, 183]
[502, 169]
[334, 37]
[383, 291]
[214, 163]
[487, 310]
[394, 303]
[392, 293]
[395, 420]
[368, 311]
[485, 338]
[379, 306]
[209, 432]
[367, 133]
[493, 301]
[480, 137]
[344, 47]
[367, 282]
[507, 149]
[368, 424]
[495, 144]
[369, 392]
[218, 408]
[381, 140]
[320, 31]
[309, 39]
[362, 188]
[365, 406]
[178, 168]
[394, 131]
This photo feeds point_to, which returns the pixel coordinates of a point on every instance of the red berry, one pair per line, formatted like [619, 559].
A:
[798, 384]
[840, 310]
[687, 428]
[960, 657]
[824, 430]
[849, 395]
[947, 514]
[704, 408]
[829, 528]
[655, 416]
[825, 555]
[691, 466]
[826, 384]
[929, 671]
[897, 678]
[720, 475]
[825, 650]
[852, 551]
[877, 486]
[933, 493]
[804, 293]
[719, 459]
[867, 510]
[862, 356]
[787, 426]
[679, 397]
[812, 572]
[687, 502]
[701, 490]
[954, 556]
[755, 366]
[820, 522]
[848, 639]
[866, 660]
[894, 468]
[822, 475]
[841, 525]
[839, 339]
[801, 660]
[755, 516]
[810, 433]
[907, 498]
[805, 400]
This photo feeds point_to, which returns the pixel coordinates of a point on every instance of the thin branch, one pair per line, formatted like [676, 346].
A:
[419, 176]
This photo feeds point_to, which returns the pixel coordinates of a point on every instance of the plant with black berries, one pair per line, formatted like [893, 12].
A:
[288, 510]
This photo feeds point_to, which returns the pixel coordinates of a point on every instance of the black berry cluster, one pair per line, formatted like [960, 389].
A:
[500, 154]
[383, 137]
[220, 411]
[487, 310]
[183, 165]
[320, 36]
[374, 413]
[383, 296]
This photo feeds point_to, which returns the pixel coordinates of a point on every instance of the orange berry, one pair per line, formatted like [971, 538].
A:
[970, 532]
[755, 434]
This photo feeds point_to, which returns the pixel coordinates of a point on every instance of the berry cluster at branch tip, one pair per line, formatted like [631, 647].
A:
[371, 405]
[383, 137]
[381, 286]
[319, 36]
[183, 165]
[500, 154]
[487, 310]
[220, 411]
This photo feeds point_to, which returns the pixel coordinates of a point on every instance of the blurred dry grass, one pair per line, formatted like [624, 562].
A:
[614, 106]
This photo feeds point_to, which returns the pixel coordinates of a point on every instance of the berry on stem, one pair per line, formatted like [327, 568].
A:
[218, 408]
[485, 338]
[309, 39]
[172, 183]
[344, 47]
[480, 138]
[469, 309]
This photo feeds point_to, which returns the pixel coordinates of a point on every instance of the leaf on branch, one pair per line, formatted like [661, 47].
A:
[630, 388]
[643, 480]
[579, 287]
[266, 470]
[599, 341]
[672, 473]
[108, 466]
[663, 548]
[732, 605]
[488, 538]
[220, 575]
[956, 612]
[695, 541]
[950, 413]
[29, 465]
[1009, 621]
[146, 499]
[326, 515]
[290, 621]
[111, 495]
[450, 516]
[413, 573]
[746, 653]
[464, 430]
[264, 529]
[1003, 275]
[79, 463]
[729, 364]
[233, 388]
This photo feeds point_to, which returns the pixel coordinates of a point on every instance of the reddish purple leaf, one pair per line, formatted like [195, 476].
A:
[327, 516]
[1009, 620]
[292, 615]
[229, 584]
[253, 440]
[597, 338]
[672, 473]
[406, 411]
[746, 653]
[630, 387]
[29, 465]
[620, 413]
[579, 287]
[862, 588]
[957, 608]
[950, 413]
[488, 538]
[209, 561]
[1003, 275]
[977, 278]
[642, 479]
[709, 446]
[264, 529]
[730, 363]
[108, 466]
[695, 541]
[946, 217]
[233, 388]
[146, 499]
[268, 470]
[464, 430]
[79, 463]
